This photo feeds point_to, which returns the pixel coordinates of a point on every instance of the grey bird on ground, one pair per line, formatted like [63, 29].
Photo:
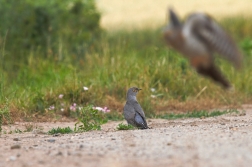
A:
[198, 38]
[133, 112]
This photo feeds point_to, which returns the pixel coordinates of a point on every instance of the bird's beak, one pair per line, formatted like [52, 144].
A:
[139, 89]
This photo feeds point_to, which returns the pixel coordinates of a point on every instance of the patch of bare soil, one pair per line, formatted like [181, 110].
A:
[216, 141]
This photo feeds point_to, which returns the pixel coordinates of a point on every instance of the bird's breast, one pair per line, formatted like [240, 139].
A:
[192, 45]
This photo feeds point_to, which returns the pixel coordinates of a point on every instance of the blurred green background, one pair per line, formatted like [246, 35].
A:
[51, 48]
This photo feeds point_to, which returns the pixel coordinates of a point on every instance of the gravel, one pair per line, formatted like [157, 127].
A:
[217, 141]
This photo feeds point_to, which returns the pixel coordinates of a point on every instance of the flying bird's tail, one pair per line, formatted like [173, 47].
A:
[214, 73]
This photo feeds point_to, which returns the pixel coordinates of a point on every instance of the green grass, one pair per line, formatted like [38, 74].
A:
[60, 130]
[89, 119]
[4, 114]
[118, 61]
[122, 126]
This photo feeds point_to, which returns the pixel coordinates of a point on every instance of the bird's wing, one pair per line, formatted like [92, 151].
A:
[140, 121]
[139, 110]
[207, 30]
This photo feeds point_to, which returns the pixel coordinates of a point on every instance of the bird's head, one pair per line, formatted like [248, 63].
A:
[172, 32]
[132, 92]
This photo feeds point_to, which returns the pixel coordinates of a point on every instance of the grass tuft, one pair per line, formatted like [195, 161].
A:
[4, 115]
[65, 130]
[122, 126]
[89, 119]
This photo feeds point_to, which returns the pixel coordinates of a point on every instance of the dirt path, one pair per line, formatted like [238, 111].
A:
[218, 141]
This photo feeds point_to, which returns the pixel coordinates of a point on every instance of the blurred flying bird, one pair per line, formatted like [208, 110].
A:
[198, 38]
[133, 112]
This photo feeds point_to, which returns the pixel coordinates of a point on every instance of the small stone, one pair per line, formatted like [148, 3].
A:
[16, 146]
[168, 144]
[51, 140]
[113, 138]
[132, 145]
[41, 162]
[16, 139]
[12, 158]
[242, 114]
[59, 153]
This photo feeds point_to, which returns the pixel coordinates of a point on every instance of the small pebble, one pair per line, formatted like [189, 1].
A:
[16, 147]
[132, 145]
[51, 140]
[12, 158]
[41, 162]
[59, 153]
[16, 139]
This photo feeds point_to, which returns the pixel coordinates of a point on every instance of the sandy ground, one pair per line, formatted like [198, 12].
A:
[118, 14]
[218, 141]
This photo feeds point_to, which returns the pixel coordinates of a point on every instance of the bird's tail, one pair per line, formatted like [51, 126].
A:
[214, 73]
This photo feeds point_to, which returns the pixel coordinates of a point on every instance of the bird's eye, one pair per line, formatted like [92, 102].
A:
[134, 90]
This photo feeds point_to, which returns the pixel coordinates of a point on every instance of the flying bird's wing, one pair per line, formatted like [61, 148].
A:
[207, 30]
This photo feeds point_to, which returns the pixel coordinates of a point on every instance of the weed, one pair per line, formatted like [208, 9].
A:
[17, 131]
[89, 119]
[122, 126]
[60, 130]
[4, 114]
[28, 127]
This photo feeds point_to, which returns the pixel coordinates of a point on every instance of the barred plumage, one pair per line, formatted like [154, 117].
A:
[198, 38]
